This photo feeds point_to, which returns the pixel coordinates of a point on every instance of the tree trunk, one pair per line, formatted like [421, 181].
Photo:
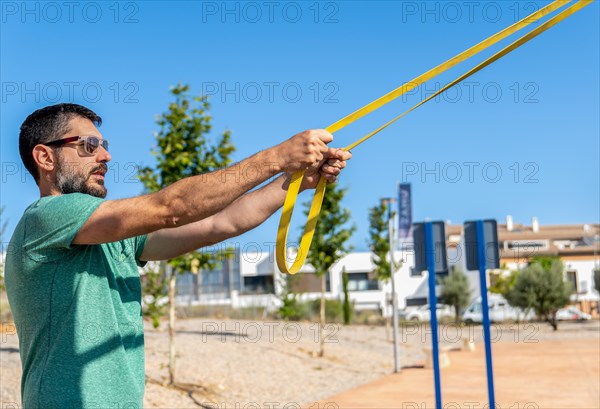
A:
[552, 321]
[322, 318]
[172, 279]
[388, 320]
[456, 316]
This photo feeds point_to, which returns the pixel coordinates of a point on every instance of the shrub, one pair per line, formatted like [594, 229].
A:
[541, 287]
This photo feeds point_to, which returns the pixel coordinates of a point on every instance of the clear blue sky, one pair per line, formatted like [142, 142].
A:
[275, 68]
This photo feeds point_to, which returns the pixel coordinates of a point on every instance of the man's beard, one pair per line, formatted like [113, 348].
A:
[69, 181]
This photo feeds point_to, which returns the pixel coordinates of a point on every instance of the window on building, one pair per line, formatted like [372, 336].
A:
[309, 283]
[526, 245]
[362, 282]
[258, 284]
[572, 278]
[213, 282]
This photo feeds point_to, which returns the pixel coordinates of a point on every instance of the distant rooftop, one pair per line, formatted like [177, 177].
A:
[519, 241]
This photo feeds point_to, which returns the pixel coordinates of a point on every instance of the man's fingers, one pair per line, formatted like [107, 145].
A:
[328, 169]
[343, 155]
[319, 156]
[336, 163]
[324, 135]
[323, 148]
[338, 154]
[328, 176]
[332, 152]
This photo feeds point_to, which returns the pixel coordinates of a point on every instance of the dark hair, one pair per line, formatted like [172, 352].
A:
[49, 124]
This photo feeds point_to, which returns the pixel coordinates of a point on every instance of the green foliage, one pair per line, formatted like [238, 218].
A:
[154, 286]
[331, 234]
[597, 279]
[183, 150]
[347, 304]
[216, 260]
[291, 309]
[2, 247]
[334, 309]
[379, 240]
[504, 284]
[294, 310]
[541, 287]
[456, 292]
[545, 261]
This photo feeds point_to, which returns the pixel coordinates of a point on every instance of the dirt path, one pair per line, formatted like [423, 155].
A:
[262, 364]
[547, 374]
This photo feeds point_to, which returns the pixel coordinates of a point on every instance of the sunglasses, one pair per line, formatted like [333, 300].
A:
[91, 144]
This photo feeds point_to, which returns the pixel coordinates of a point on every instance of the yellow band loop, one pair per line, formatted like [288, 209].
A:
[309, 229]
[292, 194]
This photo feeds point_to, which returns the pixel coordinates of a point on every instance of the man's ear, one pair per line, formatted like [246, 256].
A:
[45, 158]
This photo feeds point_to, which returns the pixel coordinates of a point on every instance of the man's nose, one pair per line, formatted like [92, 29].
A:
[103, 155]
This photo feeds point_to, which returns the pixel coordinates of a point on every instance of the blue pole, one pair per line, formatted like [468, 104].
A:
[481, 258]
[430, 253]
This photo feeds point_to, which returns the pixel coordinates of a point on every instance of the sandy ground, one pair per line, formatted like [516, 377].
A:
[556, 374]
[256, 364]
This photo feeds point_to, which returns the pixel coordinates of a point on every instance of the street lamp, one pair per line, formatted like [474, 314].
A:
[391, 233]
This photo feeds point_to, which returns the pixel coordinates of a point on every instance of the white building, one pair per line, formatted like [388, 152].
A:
[256, 279]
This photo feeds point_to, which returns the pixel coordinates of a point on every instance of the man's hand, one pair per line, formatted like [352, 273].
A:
[303, 150]
[329, 167]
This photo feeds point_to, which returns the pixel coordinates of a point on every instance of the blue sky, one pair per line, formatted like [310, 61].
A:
[521, 137]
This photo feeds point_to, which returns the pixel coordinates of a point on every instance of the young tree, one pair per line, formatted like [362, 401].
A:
[329, 242]
[379, 243]
[347, 304]
[541, 287]
[456, 292]
[379, 240]
[154, 288]
[183, 150]
[3, 247]
[291, 308]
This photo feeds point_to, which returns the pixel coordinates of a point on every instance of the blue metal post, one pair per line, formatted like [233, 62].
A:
[430, 252]
[481, 258]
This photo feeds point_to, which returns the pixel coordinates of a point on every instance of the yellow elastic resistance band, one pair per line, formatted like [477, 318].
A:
[529, 36]
[294, 187]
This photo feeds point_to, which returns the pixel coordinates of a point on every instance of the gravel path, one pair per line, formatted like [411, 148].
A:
[256, 364]
[266, 363]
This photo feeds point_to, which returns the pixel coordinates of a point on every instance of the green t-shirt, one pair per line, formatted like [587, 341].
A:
[77, 309]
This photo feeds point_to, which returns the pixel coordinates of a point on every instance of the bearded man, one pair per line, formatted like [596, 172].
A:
[72, 263]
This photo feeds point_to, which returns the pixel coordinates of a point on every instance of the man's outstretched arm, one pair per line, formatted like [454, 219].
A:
[198, 197]
[244, 214]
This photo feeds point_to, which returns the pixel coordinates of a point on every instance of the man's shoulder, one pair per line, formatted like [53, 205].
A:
[66, 205]
[62, 200]
[49, 224]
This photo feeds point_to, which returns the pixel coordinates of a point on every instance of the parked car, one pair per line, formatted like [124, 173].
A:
[499, 310]
[422, 313]
[572, 313]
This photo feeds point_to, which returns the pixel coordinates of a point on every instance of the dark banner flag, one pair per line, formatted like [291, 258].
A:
[404, 212]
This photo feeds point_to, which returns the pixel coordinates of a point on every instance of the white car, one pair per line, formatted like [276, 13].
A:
[572, 314]
[422, 313]
[499, 310]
